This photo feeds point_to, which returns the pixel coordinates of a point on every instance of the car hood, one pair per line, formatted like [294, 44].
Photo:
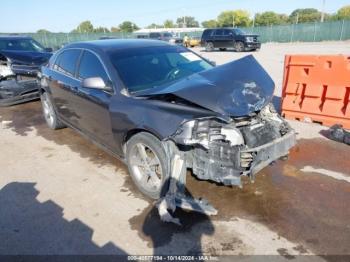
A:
[27, 57]
[238, 88]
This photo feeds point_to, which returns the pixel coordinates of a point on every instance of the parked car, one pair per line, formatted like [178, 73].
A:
[163, 36]
[194, 41]
[224, 38]
[20, 60]
[163, 109]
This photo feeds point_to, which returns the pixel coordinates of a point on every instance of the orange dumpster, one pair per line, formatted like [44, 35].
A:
[317, 89]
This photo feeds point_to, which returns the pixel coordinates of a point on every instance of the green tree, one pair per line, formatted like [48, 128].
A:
[234, 18]
[153, 26]
[169, 23]
[305, 15]
[270, 18]
[128, 27]
[115, 29]
[210, 23]
[189, 21]
[343, 13]
[85, 27]
[101, 30]
[43, 31]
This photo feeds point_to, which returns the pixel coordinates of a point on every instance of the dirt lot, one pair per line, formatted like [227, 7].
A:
[60, 194]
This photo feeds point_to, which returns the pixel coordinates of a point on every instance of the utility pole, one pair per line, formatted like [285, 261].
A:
[297, 20]
[322, 14]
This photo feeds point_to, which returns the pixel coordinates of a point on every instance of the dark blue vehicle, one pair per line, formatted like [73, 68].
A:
[21, 58]
[226, 38]
[163, 109]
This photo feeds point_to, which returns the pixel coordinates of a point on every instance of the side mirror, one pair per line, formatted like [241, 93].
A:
[95, 83]
[48, 49]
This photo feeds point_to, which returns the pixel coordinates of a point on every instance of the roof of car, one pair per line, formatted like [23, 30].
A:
[12, 37]
[115, 44]
[218, 28]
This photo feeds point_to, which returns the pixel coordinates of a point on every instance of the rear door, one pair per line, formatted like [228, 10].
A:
[63, 84]
[92, 105]
[218, 38]
[228, 38]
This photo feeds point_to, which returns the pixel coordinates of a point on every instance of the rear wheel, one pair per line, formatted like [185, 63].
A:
[239, 46]
[49, 113]
[147, 164]
[209, 46]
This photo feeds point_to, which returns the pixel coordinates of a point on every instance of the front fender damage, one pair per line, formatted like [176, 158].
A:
[221, 152]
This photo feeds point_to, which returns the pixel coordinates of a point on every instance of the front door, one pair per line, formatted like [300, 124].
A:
[92, 105]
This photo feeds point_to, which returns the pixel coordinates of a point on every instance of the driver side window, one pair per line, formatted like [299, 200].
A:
[90, 66]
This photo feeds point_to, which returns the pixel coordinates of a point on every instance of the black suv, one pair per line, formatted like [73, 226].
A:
[224, 38]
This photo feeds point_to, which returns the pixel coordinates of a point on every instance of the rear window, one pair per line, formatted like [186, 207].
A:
[206, 33]
[154, 35]
[219, 32]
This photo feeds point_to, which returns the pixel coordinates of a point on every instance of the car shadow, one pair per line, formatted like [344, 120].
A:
[28, 227]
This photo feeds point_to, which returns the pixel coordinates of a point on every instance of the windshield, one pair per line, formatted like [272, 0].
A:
[21, 45]
[149, 67]
[239, 32]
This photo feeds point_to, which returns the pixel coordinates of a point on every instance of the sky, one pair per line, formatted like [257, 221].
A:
[65, 15]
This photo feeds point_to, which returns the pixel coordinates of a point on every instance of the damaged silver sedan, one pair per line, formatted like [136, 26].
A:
[164, 110]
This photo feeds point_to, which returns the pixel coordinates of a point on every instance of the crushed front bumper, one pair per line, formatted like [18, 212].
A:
[252, 45]
[264, 155]
[16, 92]
[225, 164]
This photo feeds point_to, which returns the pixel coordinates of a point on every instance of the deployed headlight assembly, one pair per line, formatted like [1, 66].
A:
[204, 131]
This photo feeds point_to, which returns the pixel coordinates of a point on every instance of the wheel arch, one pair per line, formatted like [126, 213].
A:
[132, 132]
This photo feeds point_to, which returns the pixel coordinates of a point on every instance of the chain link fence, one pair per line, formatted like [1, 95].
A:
[306, 32]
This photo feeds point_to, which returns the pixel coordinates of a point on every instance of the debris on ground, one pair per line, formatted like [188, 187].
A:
[338, 133]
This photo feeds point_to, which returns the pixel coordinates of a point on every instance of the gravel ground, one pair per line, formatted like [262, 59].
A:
[60, 194]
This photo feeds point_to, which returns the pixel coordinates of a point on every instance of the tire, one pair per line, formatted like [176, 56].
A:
[222, 49]
[239, 46]
[49, 113]
[151, 180]
[209, 46]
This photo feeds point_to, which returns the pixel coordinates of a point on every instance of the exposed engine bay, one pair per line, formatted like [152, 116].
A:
[224, 152]
[19, 75]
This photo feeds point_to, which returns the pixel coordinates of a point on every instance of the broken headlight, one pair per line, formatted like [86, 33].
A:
[204, 131]
[269, 113]
[5, 69]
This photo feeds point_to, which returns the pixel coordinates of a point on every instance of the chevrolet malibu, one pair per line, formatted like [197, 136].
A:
[164, 110]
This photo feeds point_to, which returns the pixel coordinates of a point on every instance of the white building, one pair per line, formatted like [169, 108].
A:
[170, 30]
